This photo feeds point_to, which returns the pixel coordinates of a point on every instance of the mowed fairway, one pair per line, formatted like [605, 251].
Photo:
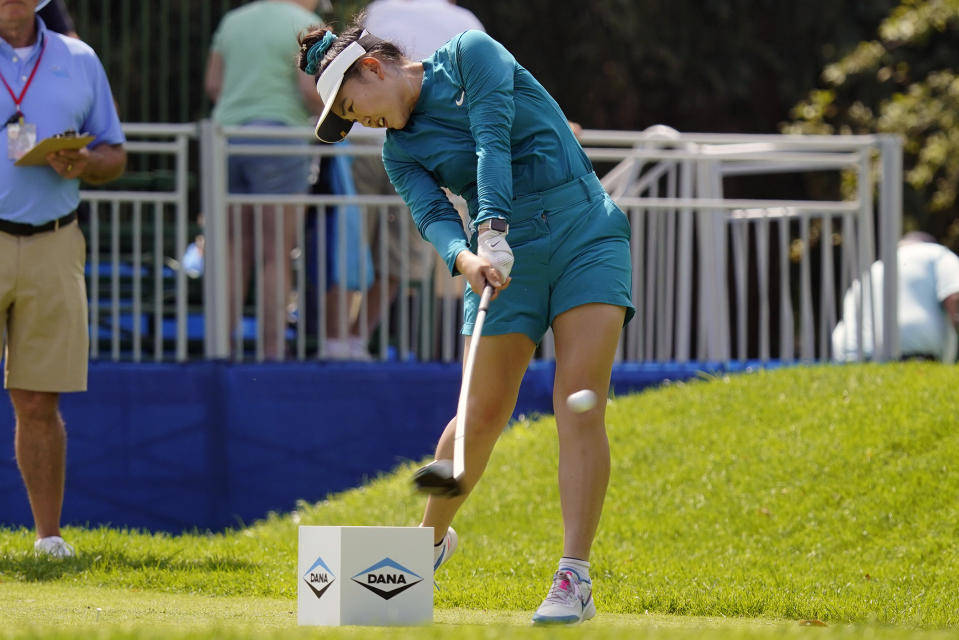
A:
[760, 505]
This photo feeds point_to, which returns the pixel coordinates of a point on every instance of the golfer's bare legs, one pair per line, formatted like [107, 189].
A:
[40, 443]
[500, 364]
[586, 338]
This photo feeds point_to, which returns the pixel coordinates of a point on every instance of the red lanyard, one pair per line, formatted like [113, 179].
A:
[17, 100]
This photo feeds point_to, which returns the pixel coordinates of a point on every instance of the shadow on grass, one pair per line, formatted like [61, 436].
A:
[31, 568]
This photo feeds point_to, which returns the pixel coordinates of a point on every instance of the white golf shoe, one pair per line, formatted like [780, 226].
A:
[443, 551]
[569, 601]
[54, 547]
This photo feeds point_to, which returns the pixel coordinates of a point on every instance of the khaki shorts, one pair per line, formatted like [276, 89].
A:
[43, 304]
[371, 179]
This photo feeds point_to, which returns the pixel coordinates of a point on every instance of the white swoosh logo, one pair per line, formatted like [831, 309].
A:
[459, 103]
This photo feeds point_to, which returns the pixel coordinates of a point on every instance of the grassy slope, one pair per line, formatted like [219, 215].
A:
[806, 493]
[819, 492]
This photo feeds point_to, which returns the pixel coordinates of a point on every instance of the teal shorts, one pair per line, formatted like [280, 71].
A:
[571, 247]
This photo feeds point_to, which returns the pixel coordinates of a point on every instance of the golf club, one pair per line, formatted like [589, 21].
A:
[440, 477]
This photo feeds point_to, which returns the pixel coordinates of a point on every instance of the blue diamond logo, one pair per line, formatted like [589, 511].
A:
[387, 578]
[318, 577]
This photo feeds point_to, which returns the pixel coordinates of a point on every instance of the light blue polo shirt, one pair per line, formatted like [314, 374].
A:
[69, 91]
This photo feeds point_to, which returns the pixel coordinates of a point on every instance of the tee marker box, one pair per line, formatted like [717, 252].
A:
[364, 576]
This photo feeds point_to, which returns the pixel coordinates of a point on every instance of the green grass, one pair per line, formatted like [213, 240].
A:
[738, 507]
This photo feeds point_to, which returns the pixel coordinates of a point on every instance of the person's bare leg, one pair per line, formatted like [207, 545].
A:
[586, 338]
[374, 305]
[372, 320]
[40, 444]
[338, 303]
[277, 277]
[498, 371]
[239, 253]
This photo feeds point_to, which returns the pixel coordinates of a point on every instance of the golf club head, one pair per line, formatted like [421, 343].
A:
[437, 479]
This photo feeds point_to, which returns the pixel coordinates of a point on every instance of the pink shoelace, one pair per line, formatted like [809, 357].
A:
[564, 589]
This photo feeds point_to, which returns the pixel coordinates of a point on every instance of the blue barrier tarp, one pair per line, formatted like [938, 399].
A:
[211, 445]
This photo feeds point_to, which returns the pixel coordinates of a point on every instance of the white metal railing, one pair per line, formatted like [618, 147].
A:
[715, 278]
[144, 296]
[415, 336]
[703, 290]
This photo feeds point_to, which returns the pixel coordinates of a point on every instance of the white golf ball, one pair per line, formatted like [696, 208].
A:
[582, 400]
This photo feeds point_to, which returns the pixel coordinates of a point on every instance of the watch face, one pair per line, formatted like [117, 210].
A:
[498, 224]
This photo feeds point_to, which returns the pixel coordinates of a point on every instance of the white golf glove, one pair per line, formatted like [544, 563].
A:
[492, 245]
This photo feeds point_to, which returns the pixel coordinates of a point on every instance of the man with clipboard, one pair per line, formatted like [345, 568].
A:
[51, 84]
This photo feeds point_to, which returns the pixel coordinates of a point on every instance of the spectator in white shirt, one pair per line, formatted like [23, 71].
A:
[928, 305]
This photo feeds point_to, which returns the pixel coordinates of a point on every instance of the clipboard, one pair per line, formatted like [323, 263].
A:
[38, 154]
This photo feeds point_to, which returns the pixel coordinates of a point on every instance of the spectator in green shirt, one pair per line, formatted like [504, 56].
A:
[257, 86]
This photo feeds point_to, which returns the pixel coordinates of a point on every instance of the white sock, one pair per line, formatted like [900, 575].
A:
[438, 547]
[581, 567]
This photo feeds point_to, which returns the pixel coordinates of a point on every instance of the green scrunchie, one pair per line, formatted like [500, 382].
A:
[315, 55]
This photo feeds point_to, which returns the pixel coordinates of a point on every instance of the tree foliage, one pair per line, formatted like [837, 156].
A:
[756, 66]
[706, 65]
[902, 81]
[696, 65]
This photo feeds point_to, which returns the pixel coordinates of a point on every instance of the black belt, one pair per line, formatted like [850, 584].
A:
[20, 229]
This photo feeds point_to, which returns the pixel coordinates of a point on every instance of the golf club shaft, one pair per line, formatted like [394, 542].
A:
[459, 453]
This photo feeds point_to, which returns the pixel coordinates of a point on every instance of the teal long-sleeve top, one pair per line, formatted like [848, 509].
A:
[484, 128]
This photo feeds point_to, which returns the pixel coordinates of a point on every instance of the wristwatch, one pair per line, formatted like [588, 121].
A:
[494, 224]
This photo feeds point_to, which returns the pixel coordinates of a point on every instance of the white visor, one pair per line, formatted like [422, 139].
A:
[330, 127]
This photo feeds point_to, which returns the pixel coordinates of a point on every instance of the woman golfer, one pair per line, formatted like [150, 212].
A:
[471, 119]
